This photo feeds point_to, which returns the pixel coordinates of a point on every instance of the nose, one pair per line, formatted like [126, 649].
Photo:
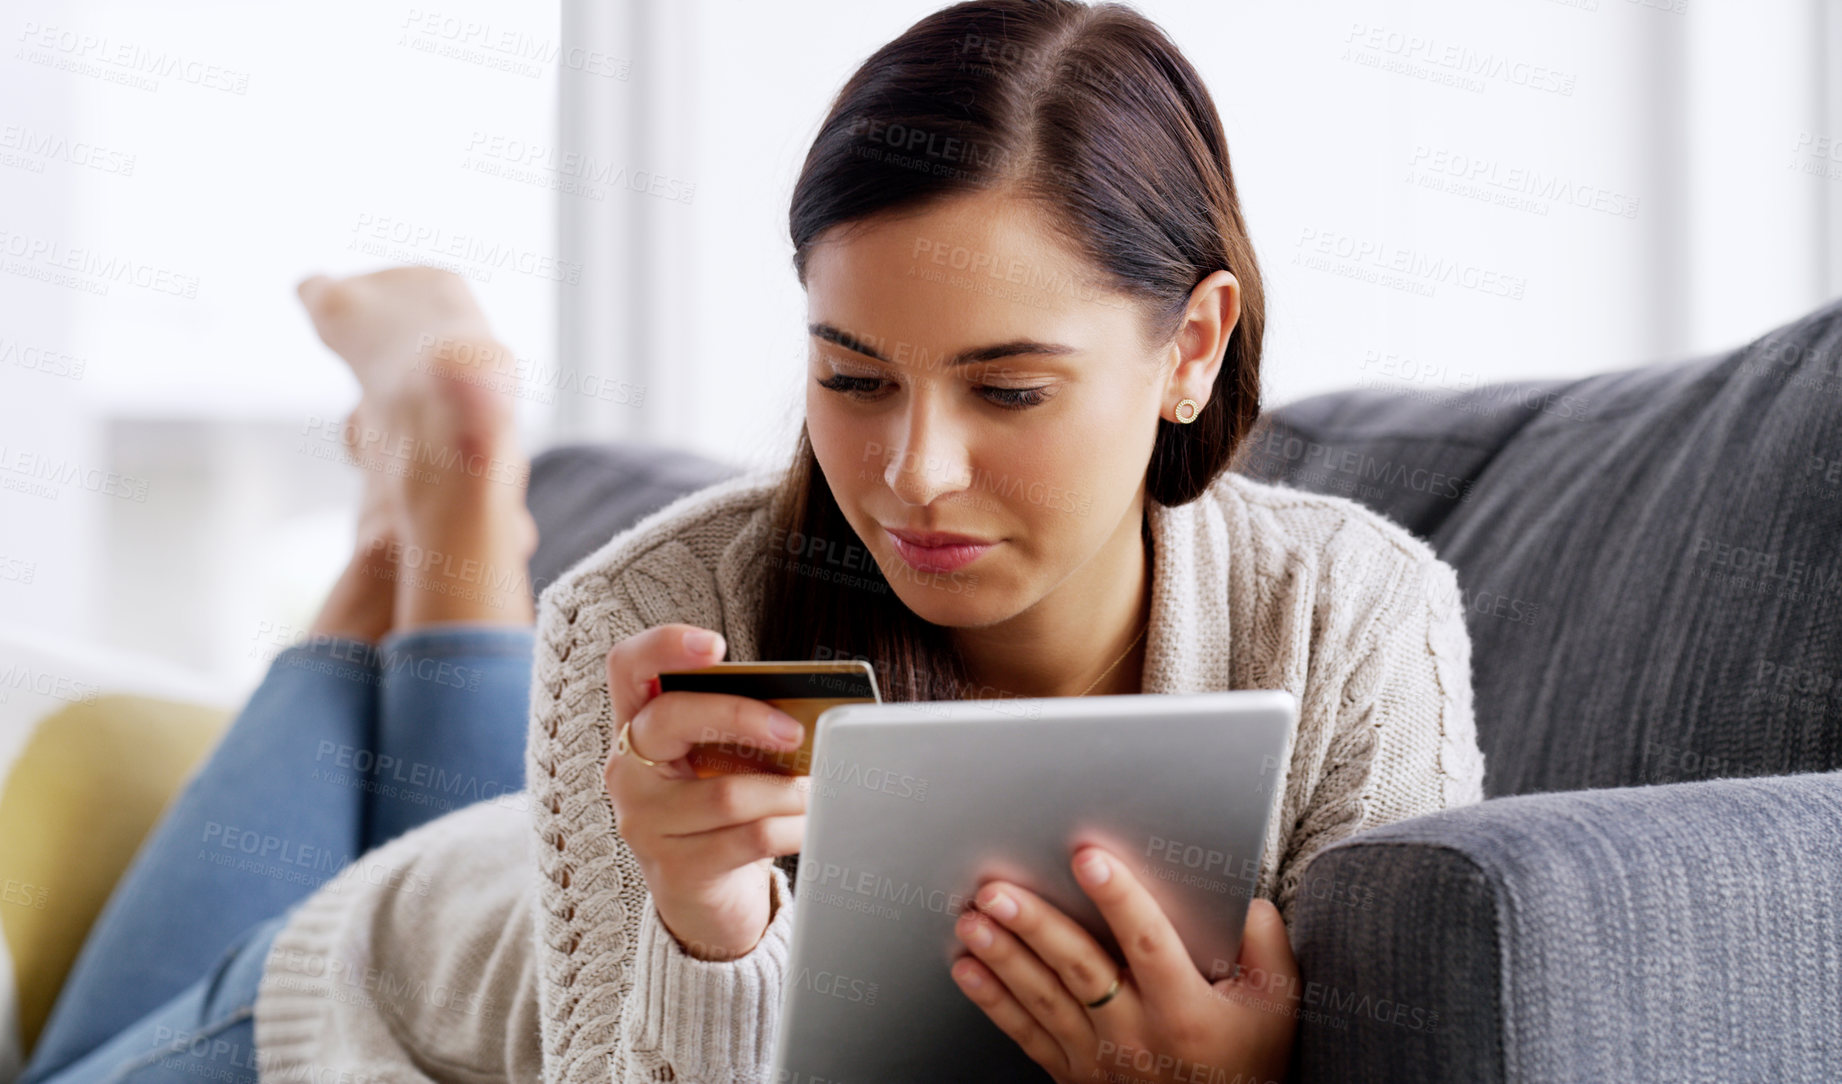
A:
[929, 457]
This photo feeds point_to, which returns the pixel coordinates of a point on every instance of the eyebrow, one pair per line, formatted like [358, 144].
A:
[965, 357]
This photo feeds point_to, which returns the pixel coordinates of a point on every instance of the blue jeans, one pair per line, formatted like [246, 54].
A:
[344, 746]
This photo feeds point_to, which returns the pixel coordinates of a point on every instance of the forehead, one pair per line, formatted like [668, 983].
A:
[969, 270]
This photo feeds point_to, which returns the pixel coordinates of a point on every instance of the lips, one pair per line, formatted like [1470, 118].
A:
[937, 551]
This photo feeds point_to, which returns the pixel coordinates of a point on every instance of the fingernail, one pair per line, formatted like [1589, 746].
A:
[1093, 871]
[969, 977]
[976, 934]
[785, 727]
[1000, 907]
[702, 641]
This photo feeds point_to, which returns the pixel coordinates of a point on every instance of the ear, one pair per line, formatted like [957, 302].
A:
[1201, 340]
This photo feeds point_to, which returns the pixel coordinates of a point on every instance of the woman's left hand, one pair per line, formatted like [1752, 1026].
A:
[1037, 969]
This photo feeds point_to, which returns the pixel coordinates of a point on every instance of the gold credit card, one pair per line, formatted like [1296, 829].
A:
[803, 690]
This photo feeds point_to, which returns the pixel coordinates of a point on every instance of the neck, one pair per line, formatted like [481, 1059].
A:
[1059, 646]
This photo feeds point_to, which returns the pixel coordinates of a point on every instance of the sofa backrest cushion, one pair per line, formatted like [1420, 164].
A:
[581, 495]
[1651, 559]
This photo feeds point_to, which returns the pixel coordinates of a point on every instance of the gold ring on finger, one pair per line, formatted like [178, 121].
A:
[624, 746]
[1111, 992]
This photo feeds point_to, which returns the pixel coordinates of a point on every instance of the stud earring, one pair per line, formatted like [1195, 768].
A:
[1193, 408]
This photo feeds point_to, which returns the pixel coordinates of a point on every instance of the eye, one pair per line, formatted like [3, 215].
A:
[1016, 398]
[867, 387]
[860, 386]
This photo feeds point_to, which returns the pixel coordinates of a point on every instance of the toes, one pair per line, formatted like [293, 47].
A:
[312, 289]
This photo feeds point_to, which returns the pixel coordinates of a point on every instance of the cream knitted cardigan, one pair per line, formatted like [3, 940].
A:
[514, 935]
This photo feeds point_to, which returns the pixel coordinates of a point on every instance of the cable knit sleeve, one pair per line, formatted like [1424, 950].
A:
[1405, 740]
[622, 1001]
[706, 1020]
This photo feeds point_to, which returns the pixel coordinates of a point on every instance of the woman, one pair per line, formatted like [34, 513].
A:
[1036, 330]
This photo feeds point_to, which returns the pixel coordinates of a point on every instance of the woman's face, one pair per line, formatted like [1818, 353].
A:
[969, 376]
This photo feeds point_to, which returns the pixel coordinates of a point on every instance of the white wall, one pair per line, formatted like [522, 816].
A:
[266, 143]
[660, 182]
[1620, 182]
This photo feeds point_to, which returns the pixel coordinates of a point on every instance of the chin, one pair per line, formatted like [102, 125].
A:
[956, 599]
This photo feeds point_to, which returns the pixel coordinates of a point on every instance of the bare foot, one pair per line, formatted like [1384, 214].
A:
[378, 321]
[435, 431]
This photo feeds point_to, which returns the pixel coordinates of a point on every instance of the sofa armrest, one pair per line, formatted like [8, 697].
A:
[1663, 933]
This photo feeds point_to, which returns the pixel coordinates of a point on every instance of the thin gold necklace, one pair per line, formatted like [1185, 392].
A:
[1116, 662]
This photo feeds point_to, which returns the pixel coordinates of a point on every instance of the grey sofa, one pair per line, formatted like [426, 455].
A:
[1652, 565]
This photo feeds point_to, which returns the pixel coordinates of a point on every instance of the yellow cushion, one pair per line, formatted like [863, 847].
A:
[84, 792]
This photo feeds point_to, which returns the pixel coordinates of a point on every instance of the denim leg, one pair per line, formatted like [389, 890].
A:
[451, 723]
[205, 1035]
[254, 831]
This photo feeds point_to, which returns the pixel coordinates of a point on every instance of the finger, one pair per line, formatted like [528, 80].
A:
[712, 854]
[989, 993]
[1266, 968]
[1162, 971]
[744, 729]
[1030, 981]
[1084, 967]
[636, 660]
[692, 806]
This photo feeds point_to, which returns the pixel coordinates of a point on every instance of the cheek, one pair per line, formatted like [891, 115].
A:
[1092, 446]
[849, 446]
[1086, 467]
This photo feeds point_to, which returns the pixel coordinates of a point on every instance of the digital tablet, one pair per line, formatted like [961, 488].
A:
[915, 805]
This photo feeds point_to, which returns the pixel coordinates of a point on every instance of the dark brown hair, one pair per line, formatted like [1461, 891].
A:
[1091, 112]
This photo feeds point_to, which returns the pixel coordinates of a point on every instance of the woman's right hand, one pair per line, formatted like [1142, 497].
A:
[706, 846]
